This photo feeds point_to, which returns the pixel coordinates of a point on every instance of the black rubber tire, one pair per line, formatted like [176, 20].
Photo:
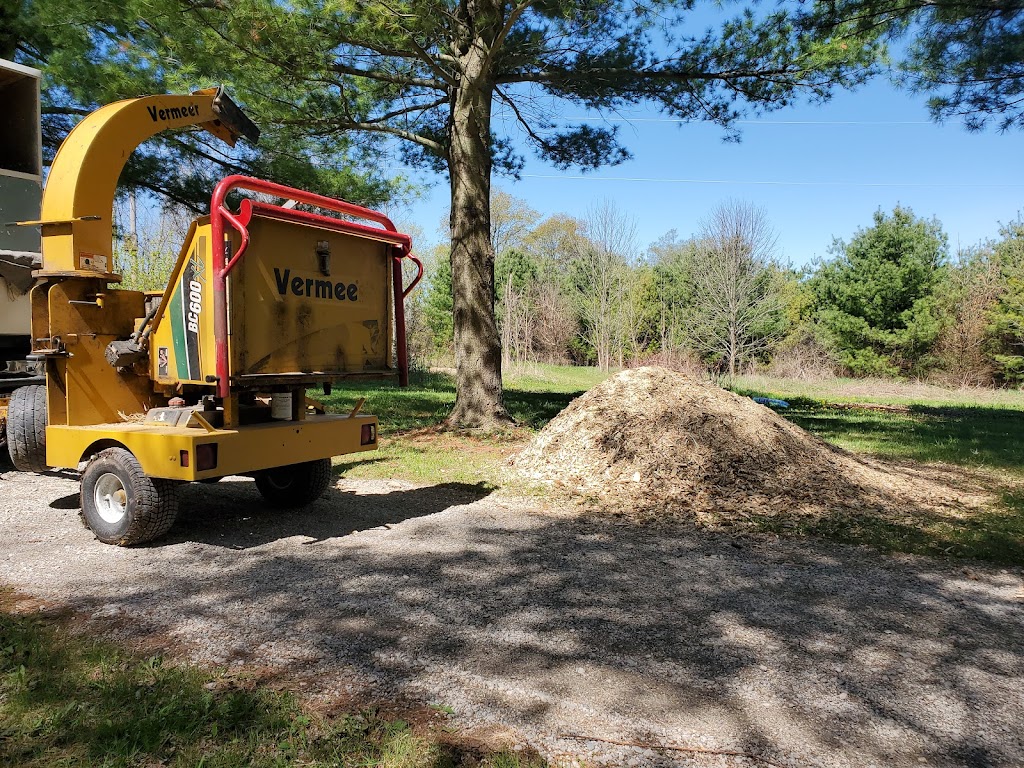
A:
[150, 503]
[295, 485]
[26, 428]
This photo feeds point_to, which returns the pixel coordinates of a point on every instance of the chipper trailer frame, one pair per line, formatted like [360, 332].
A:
[209, 377]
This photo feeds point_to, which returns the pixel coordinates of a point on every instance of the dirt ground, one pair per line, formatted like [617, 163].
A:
[542, 626]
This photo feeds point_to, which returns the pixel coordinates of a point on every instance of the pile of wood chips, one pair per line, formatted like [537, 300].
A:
[650, 441]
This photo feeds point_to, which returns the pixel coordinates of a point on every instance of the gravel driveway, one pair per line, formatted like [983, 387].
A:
[800, 653]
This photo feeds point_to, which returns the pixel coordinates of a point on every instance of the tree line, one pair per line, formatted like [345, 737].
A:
[891, 300]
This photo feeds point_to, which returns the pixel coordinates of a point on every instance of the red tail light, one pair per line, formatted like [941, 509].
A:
[206, 456]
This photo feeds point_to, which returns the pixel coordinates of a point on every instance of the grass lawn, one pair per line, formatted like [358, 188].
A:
[968, 430]
[70, 701]
[985, 437]
[883, 391]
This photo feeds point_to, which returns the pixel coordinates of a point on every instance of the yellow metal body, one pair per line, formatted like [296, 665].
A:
[287, 315]
[239, 451]
[74, 320]
[279, 341]
[287, 318]
[182, 342]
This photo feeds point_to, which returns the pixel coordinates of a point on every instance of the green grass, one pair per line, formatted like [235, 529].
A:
[974, 437]
[984, 438]
[70, 701]
[882, 391]
[995, 535]
[533, 398]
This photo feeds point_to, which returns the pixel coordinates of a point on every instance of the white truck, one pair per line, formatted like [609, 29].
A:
[21, 169]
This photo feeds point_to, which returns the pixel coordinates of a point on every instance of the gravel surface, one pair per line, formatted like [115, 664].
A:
[542, 625]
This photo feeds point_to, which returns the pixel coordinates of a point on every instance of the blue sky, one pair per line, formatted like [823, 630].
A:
[821, 172]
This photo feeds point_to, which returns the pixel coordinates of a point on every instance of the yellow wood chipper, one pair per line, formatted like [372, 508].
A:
[208, 378]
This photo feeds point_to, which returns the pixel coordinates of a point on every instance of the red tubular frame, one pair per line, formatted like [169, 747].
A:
[219, 214]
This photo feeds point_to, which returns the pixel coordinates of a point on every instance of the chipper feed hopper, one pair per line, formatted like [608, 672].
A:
[209, 377]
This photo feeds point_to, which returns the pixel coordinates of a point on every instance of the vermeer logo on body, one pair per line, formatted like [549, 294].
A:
[314, 288]
[174, 113]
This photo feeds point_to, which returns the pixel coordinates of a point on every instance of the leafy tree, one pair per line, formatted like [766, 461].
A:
[801, 353]
[515, 282]
[967, 297]
[673, 288]
[601, 280]
[511, 222]
[437, 303]
[1007, 315]
[553, 243]
[517, 267]
[876, 299]
[968, 56]
[93, 52]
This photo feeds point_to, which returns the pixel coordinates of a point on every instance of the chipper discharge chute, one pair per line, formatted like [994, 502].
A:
[209, 377]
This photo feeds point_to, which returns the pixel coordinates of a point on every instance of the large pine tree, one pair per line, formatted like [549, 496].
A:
[876, 299]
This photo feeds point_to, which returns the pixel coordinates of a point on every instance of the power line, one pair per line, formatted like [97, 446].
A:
[747, 122]
[953, 185]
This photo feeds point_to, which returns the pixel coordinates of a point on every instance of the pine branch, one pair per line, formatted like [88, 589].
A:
[387, 77]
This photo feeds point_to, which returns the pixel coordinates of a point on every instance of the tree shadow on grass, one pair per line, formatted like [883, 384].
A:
[988, 437]
[536, 409]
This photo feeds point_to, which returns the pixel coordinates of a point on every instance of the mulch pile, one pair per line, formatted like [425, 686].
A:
[650, 441]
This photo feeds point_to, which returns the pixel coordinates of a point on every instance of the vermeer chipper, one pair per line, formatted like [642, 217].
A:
[209, 377]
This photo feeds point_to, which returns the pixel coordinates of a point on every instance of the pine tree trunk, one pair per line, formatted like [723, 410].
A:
[479, 398]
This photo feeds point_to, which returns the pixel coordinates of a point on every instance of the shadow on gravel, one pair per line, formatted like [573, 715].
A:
[233, 514]
[71, 501]
[798, 652]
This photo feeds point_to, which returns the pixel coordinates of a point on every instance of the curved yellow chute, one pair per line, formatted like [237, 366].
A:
[78, 200]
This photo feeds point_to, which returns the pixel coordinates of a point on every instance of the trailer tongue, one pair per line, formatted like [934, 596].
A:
[209, 377]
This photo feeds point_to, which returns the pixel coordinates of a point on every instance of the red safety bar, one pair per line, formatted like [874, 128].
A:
[219, 214]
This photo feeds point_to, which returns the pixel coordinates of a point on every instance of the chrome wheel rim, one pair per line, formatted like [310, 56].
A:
[110, 498]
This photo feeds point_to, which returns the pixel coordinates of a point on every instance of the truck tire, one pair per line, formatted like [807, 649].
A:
[26, 428]
[123, 505]
[295, 485]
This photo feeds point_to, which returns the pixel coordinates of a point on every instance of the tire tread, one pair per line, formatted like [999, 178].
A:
[311, 480]
[26, 428]
[156, 500]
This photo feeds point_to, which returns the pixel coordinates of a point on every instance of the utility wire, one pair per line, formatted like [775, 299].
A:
[953, 185]
[746, 122]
